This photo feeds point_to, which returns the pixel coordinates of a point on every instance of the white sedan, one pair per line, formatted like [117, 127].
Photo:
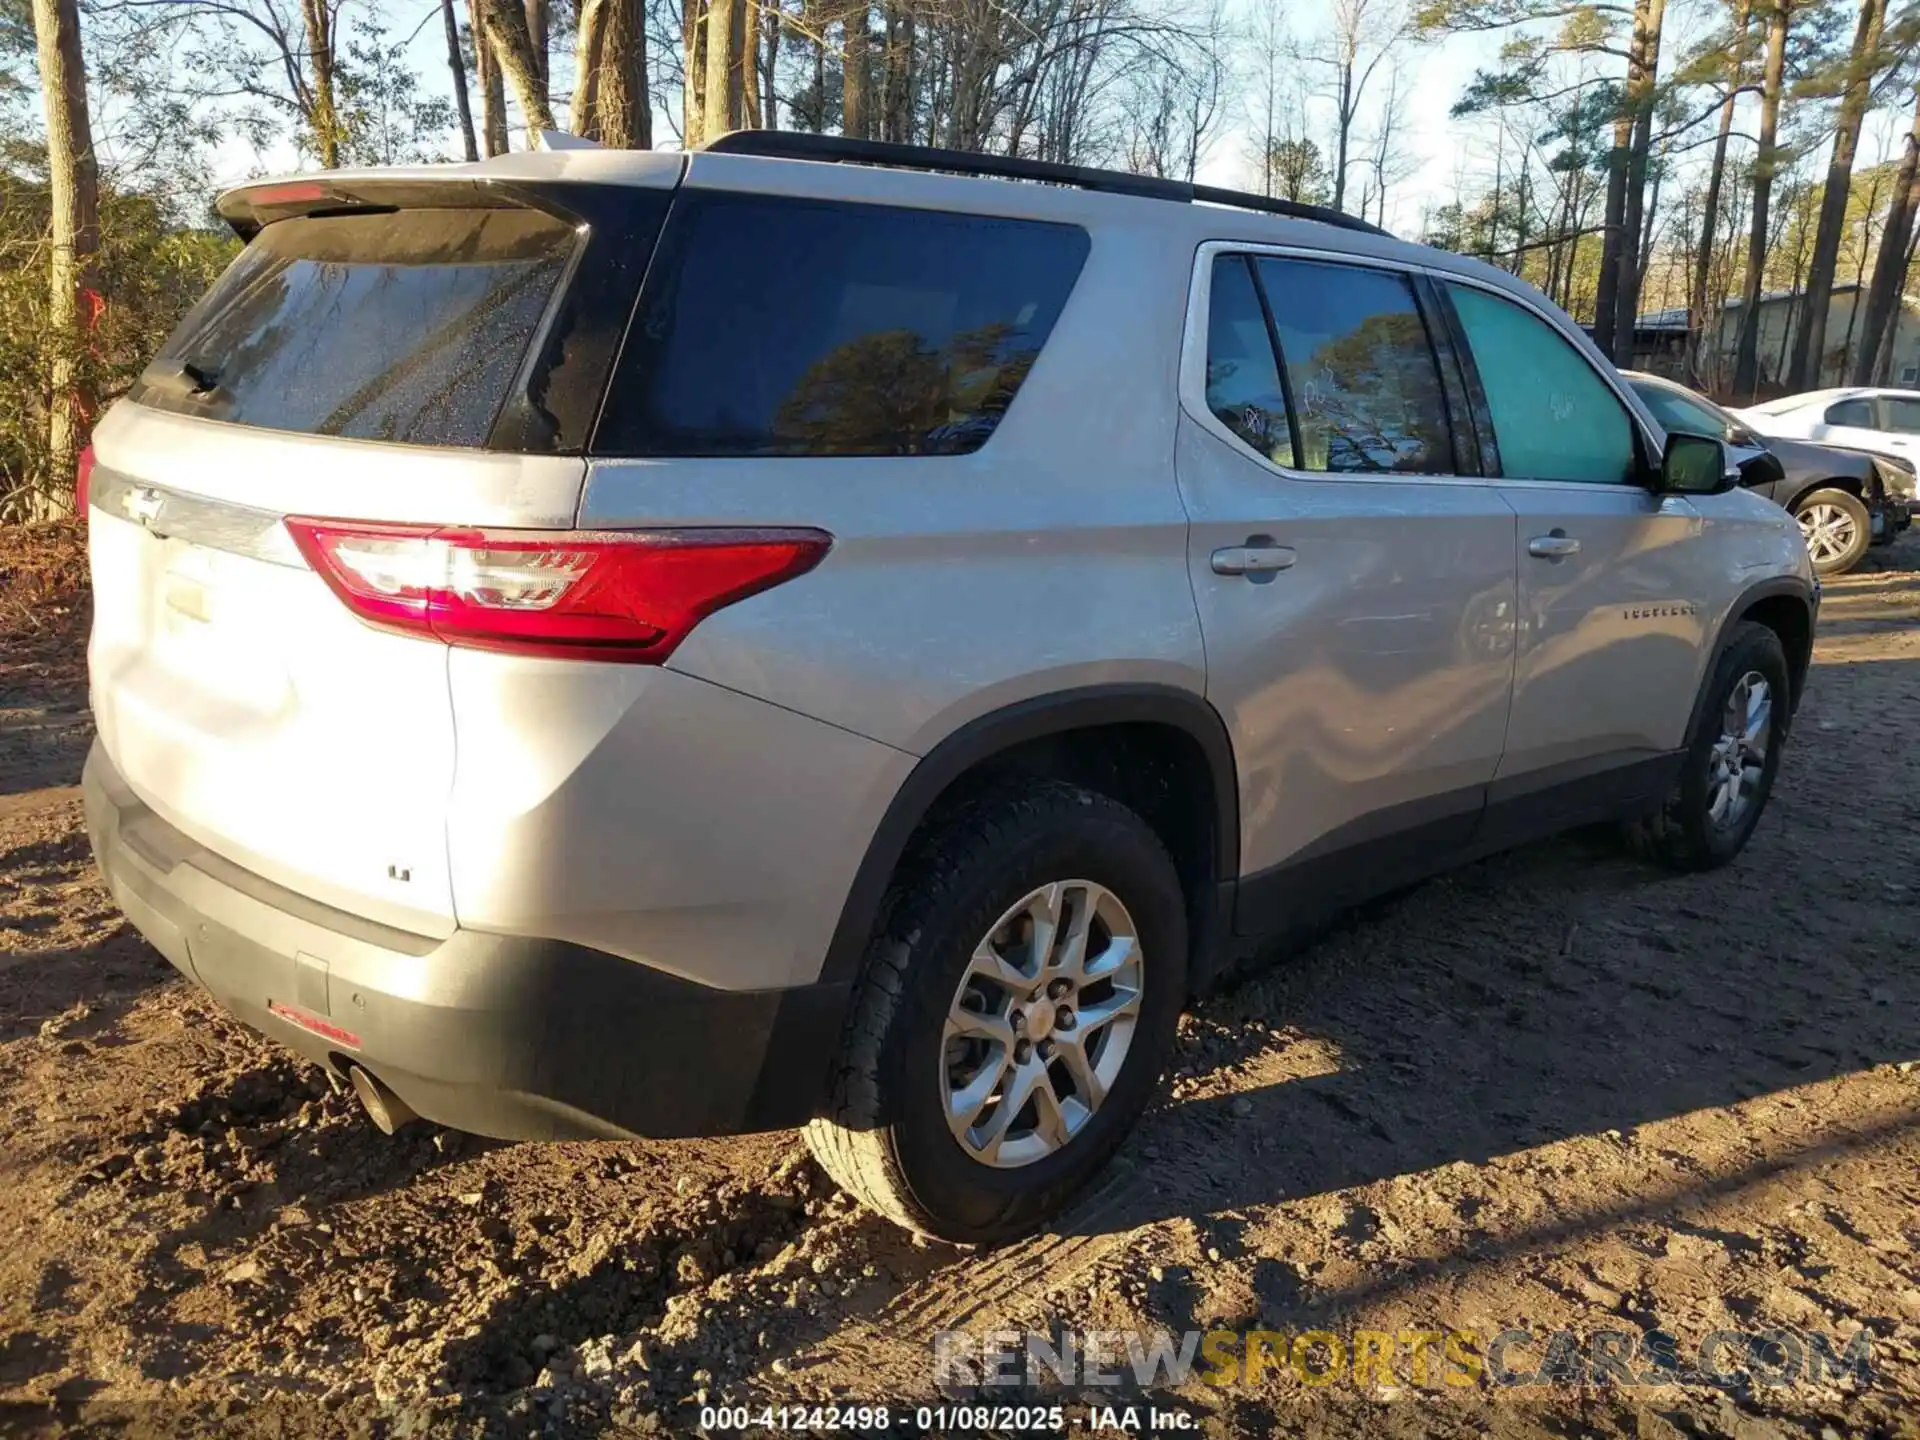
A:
[1859, 418]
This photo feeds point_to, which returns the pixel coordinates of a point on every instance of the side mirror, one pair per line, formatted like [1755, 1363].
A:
[1763, 467]
[1696, 465]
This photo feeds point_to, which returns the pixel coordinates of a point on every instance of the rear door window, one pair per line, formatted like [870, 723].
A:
[405, 326]
[1366, 386]
[771, 326]
[1851, 412]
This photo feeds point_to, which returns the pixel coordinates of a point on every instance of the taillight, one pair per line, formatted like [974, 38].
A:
[589, 594]
[83, 481]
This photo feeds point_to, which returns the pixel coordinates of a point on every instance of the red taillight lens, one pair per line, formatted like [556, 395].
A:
[586, 594]
[83, 482]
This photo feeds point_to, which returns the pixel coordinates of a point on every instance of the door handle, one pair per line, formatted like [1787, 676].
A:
[1257, 558]
[1556, 545]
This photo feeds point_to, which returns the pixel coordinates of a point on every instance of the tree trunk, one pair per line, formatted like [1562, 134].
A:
[770, 102]
[1648, 17]
[693, 106]
[324, 116]
[855, 120]
[1613, 237]
[726, 35]
[486, 74]
[750, 64]
[897, 85]
[611, 102]
[1889, 266]
[1860, 274]
[538, 29]
[458, 69]
[1343, 128]
[1746, 358]
[1701, 297]
[512, 47]
[1810, 345]
[73, 185]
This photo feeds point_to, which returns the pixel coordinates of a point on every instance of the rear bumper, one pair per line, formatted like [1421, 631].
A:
[515, 1037]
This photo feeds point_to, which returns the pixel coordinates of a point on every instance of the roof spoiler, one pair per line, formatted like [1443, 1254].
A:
[249, 209]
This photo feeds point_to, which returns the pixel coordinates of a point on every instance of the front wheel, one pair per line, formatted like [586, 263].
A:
[1731, 760]
[1014, 1013]
[1837, 528]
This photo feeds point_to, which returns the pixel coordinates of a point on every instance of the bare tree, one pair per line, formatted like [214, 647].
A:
[724, 89]
[1643, 69]
[1364, 33]
[1269, 45]
[539, 24]
[323, 109]
[897, 87]
[1866, 57]
[73, 185]
[1701, 294]
[1746, 357]
[855, 112]
[1884, 291]
[457, 69]
[693, 90]
[611, 99]
[1387, 160]
[512, 46]
[1173, 103]
[493, 92]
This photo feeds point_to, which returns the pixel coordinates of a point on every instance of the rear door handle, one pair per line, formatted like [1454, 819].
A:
[1253, 559]
[1554, 546]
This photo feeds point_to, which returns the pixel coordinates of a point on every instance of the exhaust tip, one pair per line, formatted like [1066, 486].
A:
[386, 1109]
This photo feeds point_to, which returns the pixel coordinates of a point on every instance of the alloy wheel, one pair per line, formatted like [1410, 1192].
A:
[1830, 532]
[1041, 1023]
[1738, 758]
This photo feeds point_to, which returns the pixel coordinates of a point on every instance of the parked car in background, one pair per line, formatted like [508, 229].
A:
[1844, 498]
[1859, 418]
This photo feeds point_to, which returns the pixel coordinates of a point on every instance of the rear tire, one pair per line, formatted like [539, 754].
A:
[896, 1134]
[1837, 528]
[1731, 760]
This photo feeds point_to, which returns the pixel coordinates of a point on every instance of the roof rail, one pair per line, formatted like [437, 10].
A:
[802, 145]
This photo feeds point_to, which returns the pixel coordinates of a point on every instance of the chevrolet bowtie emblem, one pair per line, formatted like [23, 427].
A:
[143, 503]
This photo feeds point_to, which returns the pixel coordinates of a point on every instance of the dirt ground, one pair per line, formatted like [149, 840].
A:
[1554, 1091]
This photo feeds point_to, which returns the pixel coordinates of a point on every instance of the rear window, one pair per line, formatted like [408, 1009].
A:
[770, 326]
[408, 326]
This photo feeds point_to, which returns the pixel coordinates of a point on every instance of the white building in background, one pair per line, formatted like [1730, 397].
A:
[1780, 318]
[1660, 340]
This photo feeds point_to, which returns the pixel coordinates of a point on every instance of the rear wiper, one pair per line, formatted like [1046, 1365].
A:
[186, 379]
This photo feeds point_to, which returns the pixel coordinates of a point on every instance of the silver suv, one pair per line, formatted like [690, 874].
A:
[603, 643]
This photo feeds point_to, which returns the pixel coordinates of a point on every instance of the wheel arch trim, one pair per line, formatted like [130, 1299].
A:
[1853, 485]
[1788, 586]
[999, 731]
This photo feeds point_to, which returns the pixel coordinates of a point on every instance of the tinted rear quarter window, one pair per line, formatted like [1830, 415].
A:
[1243, 383]
[405, 326]
[1851, 412]
[771, 326]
